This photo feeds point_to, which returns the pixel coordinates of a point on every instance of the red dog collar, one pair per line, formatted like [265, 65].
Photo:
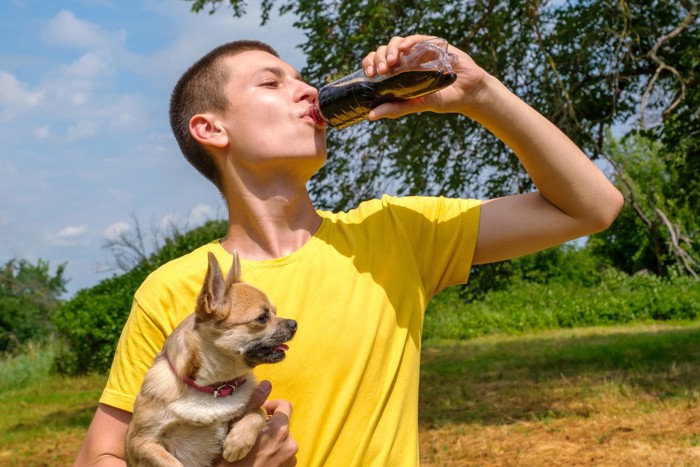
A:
[225, 389]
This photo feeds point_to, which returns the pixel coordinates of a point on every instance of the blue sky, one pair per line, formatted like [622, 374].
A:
[85, 144]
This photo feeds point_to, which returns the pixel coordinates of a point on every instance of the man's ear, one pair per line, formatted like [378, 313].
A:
[208, 130]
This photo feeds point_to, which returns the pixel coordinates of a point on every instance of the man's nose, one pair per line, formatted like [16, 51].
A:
[307, 92]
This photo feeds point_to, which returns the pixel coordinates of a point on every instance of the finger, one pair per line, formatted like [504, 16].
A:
[368, 65]
[397, 109]
[392, 51]
[280, 406]
[408, 42]
[380, 60]
[260, 395]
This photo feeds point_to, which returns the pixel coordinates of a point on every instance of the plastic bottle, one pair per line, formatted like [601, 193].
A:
[426, 68]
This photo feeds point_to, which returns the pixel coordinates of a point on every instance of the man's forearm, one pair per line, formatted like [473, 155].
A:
[560, 170]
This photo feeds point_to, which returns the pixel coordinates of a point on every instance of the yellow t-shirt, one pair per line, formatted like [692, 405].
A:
[358, 290]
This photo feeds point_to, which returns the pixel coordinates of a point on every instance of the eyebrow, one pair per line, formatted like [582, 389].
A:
[279, 72]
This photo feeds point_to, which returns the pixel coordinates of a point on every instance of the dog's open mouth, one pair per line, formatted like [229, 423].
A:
[278, 353]
[263, 354]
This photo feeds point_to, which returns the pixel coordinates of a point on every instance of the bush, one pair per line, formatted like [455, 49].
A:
[30, 366]
[90, 324]
[576, 266]
[530, 306]
[29, 295]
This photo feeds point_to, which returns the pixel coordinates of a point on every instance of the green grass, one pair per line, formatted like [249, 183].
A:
[499, 379]
[31, 366]
[488, 398]
[44, 414]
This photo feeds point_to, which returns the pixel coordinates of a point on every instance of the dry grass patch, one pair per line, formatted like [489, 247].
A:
[600, 397]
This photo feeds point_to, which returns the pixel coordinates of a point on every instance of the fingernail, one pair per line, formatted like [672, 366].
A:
[265, 386]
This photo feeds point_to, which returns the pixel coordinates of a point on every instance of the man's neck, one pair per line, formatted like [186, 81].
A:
[270, 227]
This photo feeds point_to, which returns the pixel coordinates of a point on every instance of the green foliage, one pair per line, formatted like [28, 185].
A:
[91, 322]
[654, 186]
[27, 368]
[580, 267]
[586, 65]
[534, 306]
[29, 294]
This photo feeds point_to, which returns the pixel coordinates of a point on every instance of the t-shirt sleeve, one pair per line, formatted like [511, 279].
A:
[140, 341]
[160, 304]
[443, 233]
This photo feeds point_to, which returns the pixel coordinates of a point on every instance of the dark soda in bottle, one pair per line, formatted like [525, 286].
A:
[426, 68]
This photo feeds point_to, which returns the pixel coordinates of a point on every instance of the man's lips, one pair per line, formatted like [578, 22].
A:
[309, 113]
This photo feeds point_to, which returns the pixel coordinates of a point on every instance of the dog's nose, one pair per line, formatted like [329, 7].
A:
[292, 325]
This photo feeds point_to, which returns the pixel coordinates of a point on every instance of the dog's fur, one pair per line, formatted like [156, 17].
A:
[233, 329]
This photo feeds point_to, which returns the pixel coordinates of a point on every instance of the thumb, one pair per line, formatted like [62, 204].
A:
[260, 395]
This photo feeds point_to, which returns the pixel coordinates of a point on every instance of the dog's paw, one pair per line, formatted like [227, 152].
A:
[238, 446]
[242, 436]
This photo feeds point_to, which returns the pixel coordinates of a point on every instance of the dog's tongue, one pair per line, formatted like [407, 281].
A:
[283, 347]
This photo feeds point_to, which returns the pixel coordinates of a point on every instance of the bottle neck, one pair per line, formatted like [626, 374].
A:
[315, 113]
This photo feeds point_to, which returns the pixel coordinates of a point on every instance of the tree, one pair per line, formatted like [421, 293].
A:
[643, 237]
[130, 247]
[588, 65]
[90, 323]
[29, 294]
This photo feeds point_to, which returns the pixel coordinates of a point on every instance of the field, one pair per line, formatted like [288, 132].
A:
[595, 396]
[604, 397]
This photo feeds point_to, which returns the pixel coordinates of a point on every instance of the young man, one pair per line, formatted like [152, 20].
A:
[357, 282]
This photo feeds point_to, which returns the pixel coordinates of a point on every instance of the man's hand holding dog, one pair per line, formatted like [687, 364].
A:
[275, 447]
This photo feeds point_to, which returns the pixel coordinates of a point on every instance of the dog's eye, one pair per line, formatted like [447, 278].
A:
[263, 318]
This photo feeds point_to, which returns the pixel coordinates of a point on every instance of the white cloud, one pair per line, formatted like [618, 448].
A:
[82, 129]
[42, 132]
[71, 235]
[197, 216]
[200, 214]
[89, 67]
[75, 90]
[66, 29]
[168, 221]
[113, 231]
[8, 169]
[121, 196]
[70, 231]
[199, 33]
[15, 97]
[13, 91]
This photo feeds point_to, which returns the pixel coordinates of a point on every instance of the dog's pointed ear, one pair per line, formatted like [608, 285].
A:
[234, 274]
[211, 298]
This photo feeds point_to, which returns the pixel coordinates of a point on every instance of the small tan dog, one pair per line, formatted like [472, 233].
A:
[192, 407]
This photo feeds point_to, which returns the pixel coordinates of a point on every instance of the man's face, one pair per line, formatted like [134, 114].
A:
[268, 119]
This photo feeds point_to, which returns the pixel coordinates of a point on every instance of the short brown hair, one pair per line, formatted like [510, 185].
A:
[201, 89]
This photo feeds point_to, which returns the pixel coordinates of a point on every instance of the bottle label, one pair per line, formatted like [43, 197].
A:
[425, 69]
